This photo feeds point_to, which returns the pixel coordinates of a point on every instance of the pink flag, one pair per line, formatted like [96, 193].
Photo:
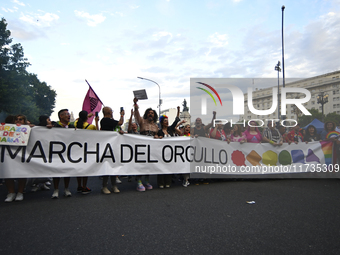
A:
[91, 103]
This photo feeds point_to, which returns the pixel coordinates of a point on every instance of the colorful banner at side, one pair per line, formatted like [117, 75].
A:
[12, 134]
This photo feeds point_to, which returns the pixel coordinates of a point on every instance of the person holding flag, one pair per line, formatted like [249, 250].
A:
[91, 104]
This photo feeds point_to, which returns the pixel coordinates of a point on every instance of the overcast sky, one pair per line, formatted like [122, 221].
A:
[110, 43]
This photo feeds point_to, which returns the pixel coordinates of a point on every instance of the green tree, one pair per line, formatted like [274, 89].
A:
[306, 119]
[21, 92]
[332, 117]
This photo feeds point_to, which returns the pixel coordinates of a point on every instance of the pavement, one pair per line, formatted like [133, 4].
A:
[289, 216]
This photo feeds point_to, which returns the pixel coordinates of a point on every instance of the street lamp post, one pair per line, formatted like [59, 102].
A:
[159, 95]
[283, 54]
[278, 69]
[322, 99]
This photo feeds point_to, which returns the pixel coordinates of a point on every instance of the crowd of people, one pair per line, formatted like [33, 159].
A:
[158, 127]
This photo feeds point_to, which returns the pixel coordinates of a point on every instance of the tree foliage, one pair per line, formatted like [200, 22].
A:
[305, 120]
[21, 92]
[333, 117]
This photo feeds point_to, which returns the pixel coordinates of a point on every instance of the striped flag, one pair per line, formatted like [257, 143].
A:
[92, 103]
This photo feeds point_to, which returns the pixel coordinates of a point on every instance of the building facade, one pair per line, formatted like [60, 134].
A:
[327, 85]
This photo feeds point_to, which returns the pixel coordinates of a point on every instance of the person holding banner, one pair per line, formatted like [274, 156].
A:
[186, 130]
[64, 122]
[227, 130]
[108, 123]
[272, 135]
[295, 136]
[148, 127]
[252, 133]
[328, 127]
[186, 133]
[44, 121]
[237, 135]
[166, 131]
[10, 185]
[311, 134]
[81, 123]
[218, 133]
[200, 129]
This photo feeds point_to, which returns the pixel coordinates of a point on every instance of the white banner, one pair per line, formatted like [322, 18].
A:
[60, 152]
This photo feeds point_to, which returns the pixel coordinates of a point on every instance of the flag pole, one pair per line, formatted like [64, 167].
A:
[94, 92]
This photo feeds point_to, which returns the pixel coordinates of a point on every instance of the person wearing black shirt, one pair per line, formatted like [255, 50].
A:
[108, 123]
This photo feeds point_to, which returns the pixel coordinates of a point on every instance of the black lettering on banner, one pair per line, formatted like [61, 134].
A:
[42, 153]
[13, 156]
[111, 156]
[226, 157]
[23, 154]
[121, 153]
[163, 154]
[179, 153]
[205, 156]
[195, 155]
[139, 153]
[69, 152]
[59, 153]
[149, 159]
[91, 152]
[213, 154]
[186, 153]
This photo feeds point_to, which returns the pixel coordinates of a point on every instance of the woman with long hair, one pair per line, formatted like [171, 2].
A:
[237, 135]
[252, 133]
[311, 134]
[328, 127]
[166, 131]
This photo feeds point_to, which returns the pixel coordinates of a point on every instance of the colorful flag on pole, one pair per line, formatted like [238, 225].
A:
[92, 103]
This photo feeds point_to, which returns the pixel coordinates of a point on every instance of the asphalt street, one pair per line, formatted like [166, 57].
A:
[289, 216]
